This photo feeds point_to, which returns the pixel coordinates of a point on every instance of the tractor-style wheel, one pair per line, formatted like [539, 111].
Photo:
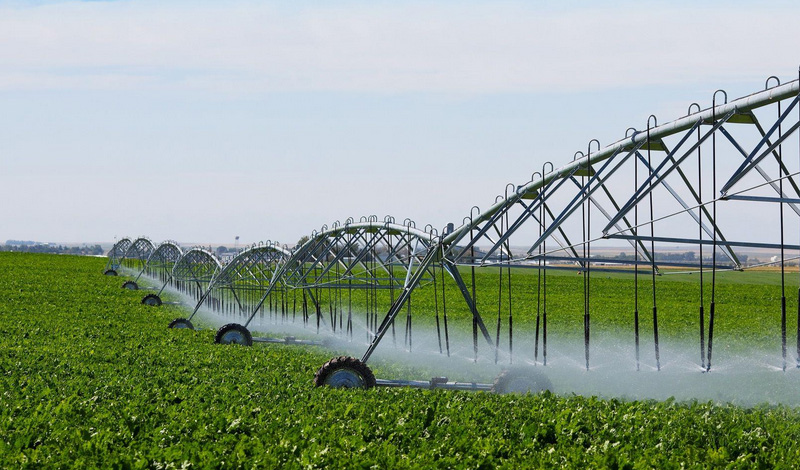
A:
[344, 372]
[181, 323]
[110, 272]
[523, 380]
[233, 333]
[152, 300]
[131, 285]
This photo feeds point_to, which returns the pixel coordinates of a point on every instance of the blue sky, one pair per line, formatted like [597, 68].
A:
[200, 121]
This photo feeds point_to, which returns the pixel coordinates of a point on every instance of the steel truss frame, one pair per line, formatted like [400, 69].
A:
[117, 253]
[336, 263]
[162, 261]
[553, 218]
[594, 183]
[195, 271]
[243, 280]
[137, 254]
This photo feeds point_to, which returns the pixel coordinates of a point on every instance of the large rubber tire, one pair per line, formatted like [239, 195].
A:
[233, 333]
[522, 380]
[181, 323]
[131, 285]
[152, 300]
[110, 272]
[344, 372]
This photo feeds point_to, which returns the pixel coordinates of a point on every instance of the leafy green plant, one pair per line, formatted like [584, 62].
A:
[91, 378]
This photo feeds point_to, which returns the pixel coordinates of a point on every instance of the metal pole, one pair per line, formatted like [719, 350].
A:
[634, 232]
[700, 237]
[712, 311]
[653, 250]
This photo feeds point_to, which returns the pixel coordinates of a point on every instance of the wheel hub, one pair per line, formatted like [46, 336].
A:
[233, 337]
[345, 378]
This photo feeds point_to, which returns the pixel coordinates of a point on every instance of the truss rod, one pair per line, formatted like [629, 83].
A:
[741, 105]
[726, 249]
[764, 173]
[579, 198]
[694, 241]
[751, 158]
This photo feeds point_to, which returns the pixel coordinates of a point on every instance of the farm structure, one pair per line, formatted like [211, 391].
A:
[136, 259]
[115, 256]
[160, 266]
[321, 284]
[239, 287]
[691, 182]
[720, 181]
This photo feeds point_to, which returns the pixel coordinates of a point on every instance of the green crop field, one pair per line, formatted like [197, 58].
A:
[89, 377]
[747, 304]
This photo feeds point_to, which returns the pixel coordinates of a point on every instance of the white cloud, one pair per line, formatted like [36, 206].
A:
[473, 48]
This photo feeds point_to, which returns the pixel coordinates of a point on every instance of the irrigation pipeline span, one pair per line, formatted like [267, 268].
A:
[693, 182]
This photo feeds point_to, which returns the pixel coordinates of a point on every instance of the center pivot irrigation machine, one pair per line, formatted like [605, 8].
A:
[241, 287]
[718, 182]
[115, 256]
[135, 260]
[159, 266]
[192, 275]
[320, 284]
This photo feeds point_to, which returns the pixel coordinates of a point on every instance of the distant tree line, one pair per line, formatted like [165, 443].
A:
[52, 248]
